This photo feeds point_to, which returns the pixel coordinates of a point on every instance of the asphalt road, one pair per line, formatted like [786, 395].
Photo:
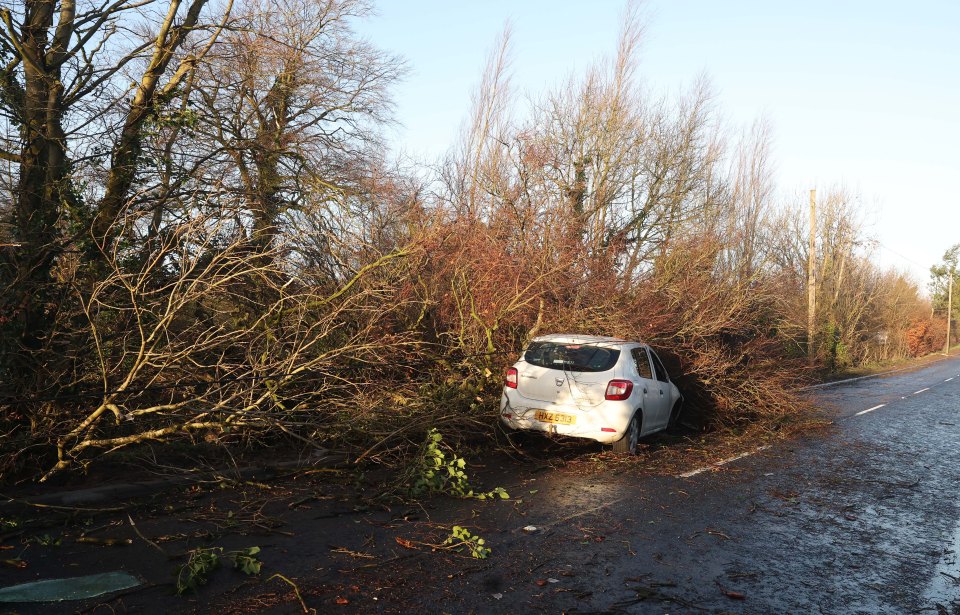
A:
[859, 517]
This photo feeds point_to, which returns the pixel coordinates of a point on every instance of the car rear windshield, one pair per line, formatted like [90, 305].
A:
[571, 357]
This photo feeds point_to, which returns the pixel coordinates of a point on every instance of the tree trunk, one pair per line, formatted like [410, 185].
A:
[44, 188]
[126, 151]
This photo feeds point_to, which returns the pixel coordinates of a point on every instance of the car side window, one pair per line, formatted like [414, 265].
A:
[643, 365]
[657, 365]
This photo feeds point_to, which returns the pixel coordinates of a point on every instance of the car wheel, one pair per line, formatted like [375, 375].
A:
[674, 415]
[628, 443]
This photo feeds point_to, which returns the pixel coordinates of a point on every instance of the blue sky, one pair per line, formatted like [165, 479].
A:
[865, 94]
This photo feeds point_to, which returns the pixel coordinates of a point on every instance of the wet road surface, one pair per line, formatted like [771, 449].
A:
[860, 517]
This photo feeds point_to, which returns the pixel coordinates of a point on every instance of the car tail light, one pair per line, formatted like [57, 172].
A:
[608, 429]
[618, 390]
[510, 378]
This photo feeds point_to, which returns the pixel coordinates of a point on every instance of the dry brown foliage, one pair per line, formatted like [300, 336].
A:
[264, 276]
[926, 336]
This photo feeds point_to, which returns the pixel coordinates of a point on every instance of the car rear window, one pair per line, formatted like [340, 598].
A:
[571, 357]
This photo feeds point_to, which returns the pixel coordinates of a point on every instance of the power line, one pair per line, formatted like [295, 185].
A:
[894, 252]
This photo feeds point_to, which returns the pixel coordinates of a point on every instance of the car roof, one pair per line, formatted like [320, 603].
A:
[576, 338]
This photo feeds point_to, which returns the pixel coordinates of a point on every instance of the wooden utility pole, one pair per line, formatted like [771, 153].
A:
[812, 278]
[946, 345]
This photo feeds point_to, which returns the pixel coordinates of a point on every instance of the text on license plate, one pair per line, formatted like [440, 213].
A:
[555, 417]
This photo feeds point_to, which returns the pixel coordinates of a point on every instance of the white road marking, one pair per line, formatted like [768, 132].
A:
[723, 462]
[869, 409]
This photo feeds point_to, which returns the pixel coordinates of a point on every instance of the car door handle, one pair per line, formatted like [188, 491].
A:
[661, 391]
[644, 390]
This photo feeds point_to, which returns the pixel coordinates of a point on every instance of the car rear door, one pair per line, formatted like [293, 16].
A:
[652, 403]
[663, 391]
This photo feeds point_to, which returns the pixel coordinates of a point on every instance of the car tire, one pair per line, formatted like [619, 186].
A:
[675, 414]
[628, 443]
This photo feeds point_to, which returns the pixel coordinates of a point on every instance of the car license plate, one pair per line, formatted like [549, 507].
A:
[555, 417]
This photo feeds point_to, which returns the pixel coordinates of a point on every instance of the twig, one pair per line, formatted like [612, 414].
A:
[384, 562]
[108, 542]
[296, 590]
[145, 539]
[300, 501]
[66, 508]
[347, 551]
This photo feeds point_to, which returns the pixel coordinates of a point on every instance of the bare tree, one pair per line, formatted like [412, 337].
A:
[294, 102]
[195, 354]
[62, 62]
[751, 200]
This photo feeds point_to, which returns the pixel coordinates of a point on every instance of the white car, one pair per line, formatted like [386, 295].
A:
[606, 389]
